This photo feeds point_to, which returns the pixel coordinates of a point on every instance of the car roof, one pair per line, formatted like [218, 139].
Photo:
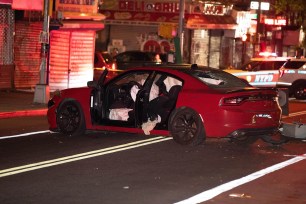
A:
[174, 67]
[298, 59]
[264, 59]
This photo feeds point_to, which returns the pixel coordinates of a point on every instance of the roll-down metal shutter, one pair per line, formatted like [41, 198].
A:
[27, 49]
[71, 59]
[6, 48]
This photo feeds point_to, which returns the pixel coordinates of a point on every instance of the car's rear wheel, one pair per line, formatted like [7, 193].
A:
[186, 127]
[299, 91]
[70, 119]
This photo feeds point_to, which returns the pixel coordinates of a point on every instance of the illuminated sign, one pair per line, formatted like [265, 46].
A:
[264, 6]
[271, 21]
[148, 6]
[89, 6]
[213, 9]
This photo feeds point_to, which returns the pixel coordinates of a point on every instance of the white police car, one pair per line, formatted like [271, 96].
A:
[293, 73]
[261, 72]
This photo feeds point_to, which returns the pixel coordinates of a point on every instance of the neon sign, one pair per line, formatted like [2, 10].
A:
[148, 7]
[271, 21]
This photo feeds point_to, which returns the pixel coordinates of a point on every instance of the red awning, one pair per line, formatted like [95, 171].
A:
[138, 17]
[199, 21]
[6, 1]
[82, 25]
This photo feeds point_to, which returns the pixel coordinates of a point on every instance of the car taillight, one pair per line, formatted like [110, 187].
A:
[233, 101]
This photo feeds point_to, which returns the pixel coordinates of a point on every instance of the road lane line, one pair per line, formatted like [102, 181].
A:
[211, 193]
[80, 155]
[24, 134]
[77, 157]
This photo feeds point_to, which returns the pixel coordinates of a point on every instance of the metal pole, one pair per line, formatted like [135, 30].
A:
[181, 22]
[41, 94]
[258, 28]
[44, 51]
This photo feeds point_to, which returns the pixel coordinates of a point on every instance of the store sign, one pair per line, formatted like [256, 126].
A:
[88, 6]
[36, 5]
[148, 6]
[264, 6]
[214, 9]
[141, 16]
[278, 22]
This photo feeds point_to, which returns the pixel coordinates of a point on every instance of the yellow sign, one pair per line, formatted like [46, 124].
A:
[166, 30]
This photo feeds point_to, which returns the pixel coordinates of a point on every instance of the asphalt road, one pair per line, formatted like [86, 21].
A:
[124, 168]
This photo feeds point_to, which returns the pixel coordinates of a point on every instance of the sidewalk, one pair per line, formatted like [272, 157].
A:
[20, 103]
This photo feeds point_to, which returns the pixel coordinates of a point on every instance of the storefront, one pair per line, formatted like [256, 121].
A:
[209, 46]
[71, 55]
[72, 43]
[136, 22]
[139, 25]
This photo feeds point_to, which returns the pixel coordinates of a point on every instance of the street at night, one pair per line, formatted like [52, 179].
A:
[103, 167]
[152, 102]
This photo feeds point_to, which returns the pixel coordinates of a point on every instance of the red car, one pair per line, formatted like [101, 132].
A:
[188, 104]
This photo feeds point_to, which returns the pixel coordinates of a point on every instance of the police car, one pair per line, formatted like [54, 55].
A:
[262, 72]
[293, 73]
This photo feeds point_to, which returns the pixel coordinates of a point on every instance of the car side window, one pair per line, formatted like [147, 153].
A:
[294, 64]
[278, 64]
[267, 66]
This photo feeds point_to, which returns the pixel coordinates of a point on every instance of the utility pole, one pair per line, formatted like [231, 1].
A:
[258, 26]
[179, 40]
[42, 92]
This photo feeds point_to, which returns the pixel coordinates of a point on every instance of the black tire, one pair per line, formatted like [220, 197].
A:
[70, 119]
[186, 127]
[299, 91]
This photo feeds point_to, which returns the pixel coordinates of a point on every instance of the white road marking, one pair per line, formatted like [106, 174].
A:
[24, 134]
[77, 157]
[209, 194]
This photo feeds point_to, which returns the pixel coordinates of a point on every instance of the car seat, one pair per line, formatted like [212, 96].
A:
[164, 104]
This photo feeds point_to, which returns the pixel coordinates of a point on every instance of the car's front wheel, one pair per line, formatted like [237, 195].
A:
[299, 91]
[186, 127]
[70, 119]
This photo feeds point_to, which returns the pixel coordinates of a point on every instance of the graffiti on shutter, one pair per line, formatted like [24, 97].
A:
[27, 54]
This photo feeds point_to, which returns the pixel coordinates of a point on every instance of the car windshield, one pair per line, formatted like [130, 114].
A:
[107, 57]
[294, 64]
[217, 79]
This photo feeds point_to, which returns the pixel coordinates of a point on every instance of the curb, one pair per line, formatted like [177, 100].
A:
[12, 114]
